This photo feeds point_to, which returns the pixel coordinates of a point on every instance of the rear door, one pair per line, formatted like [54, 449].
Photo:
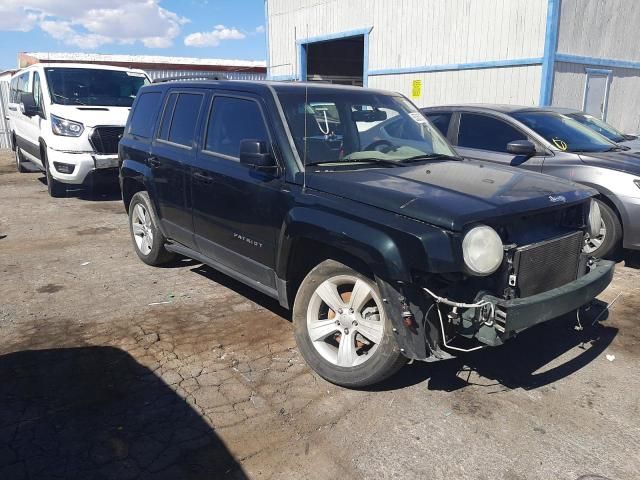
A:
[237, 211]
[172, 153]
[485, 137]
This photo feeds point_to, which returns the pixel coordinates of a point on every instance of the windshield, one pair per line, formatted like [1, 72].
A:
[346, 127]
[599, 126]
[96, 87]
[564, 132]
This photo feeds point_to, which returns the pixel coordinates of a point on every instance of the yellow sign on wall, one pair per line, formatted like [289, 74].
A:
[416, 88]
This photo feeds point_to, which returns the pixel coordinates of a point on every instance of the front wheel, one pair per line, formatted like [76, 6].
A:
[607, 242]
[20, 161]
[341, 327]
[56, 189]
[148, 240]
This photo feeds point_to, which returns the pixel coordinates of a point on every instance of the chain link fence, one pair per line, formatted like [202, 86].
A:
[5, 134]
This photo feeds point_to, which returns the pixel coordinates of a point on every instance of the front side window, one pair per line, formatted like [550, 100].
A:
[180, 118]
[93, 86]
[37, 90]
[232, 120]
[486, 133]
[599, 126]
[564, 132]
[347, 127]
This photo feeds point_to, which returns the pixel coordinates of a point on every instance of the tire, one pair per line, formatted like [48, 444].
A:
[607, 244]
[56, 189]
[362, 321]
[20, 161]
[148, 240]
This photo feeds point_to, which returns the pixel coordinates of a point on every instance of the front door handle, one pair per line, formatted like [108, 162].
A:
[153, 162]
[203, 177]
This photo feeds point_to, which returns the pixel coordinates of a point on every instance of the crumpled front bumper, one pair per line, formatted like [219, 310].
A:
[512, 316]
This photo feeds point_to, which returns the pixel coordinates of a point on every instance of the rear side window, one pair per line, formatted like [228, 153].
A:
[486, 133]
[144, 115]
[180, 118]
[232, 120]
[440, 121]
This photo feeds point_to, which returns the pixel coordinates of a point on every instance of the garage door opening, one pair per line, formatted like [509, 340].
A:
[335, 61]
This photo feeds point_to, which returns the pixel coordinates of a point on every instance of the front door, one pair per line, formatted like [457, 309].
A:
[171, 155]
[237, 211]
[484, 137]
[595, 94]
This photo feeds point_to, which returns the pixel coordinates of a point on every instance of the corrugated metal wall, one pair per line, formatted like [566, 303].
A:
[417, 33]
[239, 75]
[593, 33]
[517, 85]
[5, 134]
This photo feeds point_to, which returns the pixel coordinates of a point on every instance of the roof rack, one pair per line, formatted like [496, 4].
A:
[185, 78]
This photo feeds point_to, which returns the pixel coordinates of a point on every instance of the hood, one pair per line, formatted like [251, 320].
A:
[625, 161]
[450, 194]
[92, 116]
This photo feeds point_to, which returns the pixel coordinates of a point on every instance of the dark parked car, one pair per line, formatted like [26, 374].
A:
[600, 126]
[385, 251]
[542, 140]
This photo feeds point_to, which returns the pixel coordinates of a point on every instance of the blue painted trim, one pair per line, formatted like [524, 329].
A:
[550, 49]
[266, 31]
[600, 62]
[458, 66]
[302, 50]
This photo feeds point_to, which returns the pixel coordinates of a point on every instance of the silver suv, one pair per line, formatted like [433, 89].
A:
[546, 141]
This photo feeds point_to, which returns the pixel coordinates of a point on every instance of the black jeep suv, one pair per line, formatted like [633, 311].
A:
[386, 245]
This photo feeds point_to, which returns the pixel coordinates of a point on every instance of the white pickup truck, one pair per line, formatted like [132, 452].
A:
[67, 120]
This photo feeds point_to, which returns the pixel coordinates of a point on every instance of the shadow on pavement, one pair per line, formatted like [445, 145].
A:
[516, 363]
[95, 413]
[106, 190]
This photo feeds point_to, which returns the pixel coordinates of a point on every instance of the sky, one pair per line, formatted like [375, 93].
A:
[231, 29]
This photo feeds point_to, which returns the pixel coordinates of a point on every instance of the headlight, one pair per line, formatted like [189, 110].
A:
[595, 219]
[482, 250]
[66, 128]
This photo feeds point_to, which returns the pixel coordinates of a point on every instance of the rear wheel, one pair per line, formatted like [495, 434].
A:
[148, 240]
[607, 242]
[341, 328]
[20, 161]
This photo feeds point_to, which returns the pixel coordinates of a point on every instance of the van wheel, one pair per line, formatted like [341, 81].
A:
[607, 243]
[56, 189]
[341, 327]
[20, 161]
[148, 240]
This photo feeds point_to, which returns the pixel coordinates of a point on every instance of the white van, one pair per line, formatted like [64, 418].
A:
[67, 119]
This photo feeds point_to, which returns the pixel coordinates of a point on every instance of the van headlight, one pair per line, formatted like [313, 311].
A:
[482, 250]
[66, 128]
[595, 219]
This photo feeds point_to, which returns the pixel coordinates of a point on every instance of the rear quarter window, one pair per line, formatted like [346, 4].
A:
[143, 117]
[440, 121]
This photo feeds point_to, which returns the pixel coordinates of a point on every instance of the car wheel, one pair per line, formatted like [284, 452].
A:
[56, 189]
[607, 242]
[20, 161]
[148, 241]
[341, 327]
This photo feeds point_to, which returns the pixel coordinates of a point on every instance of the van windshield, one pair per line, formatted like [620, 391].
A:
[91, 86]
[348, 127]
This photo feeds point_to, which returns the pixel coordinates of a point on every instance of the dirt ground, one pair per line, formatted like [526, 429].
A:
[113, 369]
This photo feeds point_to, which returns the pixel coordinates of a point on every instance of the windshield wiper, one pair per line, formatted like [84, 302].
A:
[430, 156]
[373, 160]
[619, 148]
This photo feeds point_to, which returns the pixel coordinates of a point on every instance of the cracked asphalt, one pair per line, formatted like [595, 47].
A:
[111, 369]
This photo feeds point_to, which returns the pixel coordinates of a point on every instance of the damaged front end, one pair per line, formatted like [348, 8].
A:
[542, 274]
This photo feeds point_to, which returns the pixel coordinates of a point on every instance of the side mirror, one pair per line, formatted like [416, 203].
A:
[255, 154]
[521, 147]
[28, 105]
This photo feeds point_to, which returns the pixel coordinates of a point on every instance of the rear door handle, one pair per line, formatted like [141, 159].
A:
[203, 177]
[153, 162]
